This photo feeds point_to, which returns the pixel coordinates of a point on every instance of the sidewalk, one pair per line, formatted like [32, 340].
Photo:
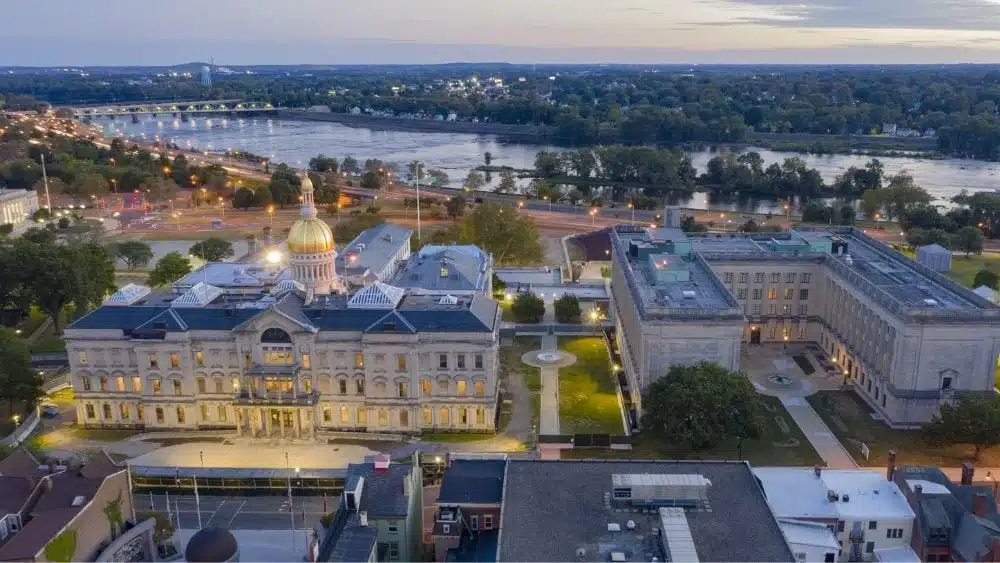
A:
[818, 433]
[549, 424]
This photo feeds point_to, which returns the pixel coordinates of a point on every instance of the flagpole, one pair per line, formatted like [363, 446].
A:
[417, 174]
[45, 179]
[197, 501]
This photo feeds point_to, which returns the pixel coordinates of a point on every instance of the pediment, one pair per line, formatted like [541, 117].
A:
[272, 318]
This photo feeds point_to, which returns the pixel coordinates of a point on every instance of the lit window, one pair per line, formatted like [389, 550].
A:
[789, 293]
[307, 385]
[480, 388]
[400, 362]
[772, 293]
[383, 417]
[177, 387]
[175, 361]
[199, 359]
[306, 362]
[480, 415]
[444, 271]
[345, 415]
[180, 415]
[155, 384]
[362, 416]
[140, 413]
[359, 360]
[428, 415]
[425, 387]
[204, 413]
[90, 411]
[222, 413]
[236, 385]
[460, 387]
[443, 415]
[327, 414]
[136, 384]
[120, 383]
[153, 363]
[786, 333]
[81, 357]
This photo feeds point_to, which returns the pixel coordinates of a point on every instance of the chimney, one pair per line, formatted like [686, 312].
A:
[968, 472]
[979, 505]
[890, 468]
[447, 460]
[818, 471]
[918, 493]
[363, 517]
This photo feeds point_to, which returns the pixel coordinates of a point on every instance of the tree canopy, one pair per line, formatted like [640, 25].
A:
[170, 268]
[212, 249]
[134, 253]
[973, 419]
[527, 308]
[567, 308]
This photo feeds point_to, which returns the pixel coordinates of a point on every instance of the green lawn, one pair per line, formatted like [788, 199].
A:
[782, 443]
[506, 315]
[963, 269]
[454, 436]
[588, 402]
[849, 418]
[103, 434]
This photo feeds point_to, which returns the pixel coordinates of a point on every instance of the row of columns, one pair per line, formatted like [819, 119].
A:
[258, 422]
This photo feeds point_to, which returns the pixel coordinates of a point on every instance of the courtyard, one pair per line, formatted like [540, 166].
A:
[588, 397]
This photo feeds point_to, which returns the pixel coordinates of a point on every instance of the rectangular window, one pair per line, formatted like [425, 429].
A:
[153, 362]
[306, 361]
[120, 383]
[870, 547]
[327, 414]
[425, 387]
[786, 333]
[201, 385]
[474, 522]
[946, 384]
[789, 293]
[394, 548]
[480, 415]
[90, 411]
[786, 309]
[159, 415]
[362, 416]
[123, 411]
[107, 411]
[219, 386]
[393, 528]
[756, 293]
[772, 309]
[175, 360]
[444, 387]
[744, 277]
[442, 361]
[803, 294]
[383, 417]
[758, 277]
[728, 277]
[872, 524]
[804, 278]
[460, 387]
[221, 411]
[359, 386]
[403, 389]
[741, 293]
[136, 384]
[177, 387]
[342, 386]
[86, 383]
[180, 415]
[359, 360]
[775, 277]
[790, 277]
[199, 358]
[772, 293]
[379, 359]
[307, 385]
[204, 413]
[140, 413]
[803, 310]
[400, 362]
[236, 385]
[345, 415]
[755, 310]
[103, 382]
[463, 416]
[487, 521]
[478, 358]
[460, 361]
[155, 385]
[81, 357]
[428, 415]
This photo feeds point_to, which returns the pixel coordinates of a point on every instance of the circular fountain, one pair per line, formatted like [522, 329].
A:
[549, 357]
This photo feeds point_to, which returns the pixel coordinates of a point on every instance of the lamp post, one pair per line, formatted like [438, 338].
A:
[270, 216]
[593, 217]
[177, 216]
[632, 207]
[223, 209]
[548, 199]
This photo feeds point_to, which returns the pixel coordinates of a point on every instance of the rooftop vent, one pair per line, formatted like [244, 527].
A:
[644, 489]
[581, 553]
[614, 527]
[449, 300]
[930, 302]
[630, 525]
[688, 294]
[677, 540]
[78, 500]
[617, 556]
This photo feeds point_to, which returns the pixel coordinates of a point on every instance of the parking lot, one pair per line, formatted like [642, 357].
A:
[240, 513]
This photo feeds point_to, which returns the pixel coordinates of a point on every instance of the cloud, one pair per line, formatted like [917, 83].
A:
[882, 14]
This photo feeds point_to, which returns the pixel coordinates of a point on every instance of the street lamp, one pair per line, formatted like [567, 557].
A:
[223, 209]
[593, 216]
[270, 216]
[632, 207]
[274, 256]
[177, 216]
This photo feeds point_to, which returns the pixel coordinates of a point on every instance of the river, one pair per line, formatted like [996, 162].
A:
[295, 142]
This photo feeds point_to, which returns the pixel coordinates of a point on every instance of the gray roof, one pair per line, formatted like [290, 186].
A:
[355, 542]
[552, 508]
[934, 249]
[473, 481]
[466, 267]
[374, 248]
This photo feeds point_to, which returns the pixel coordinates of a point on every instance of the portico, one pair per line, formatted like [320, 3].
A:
[275, 421]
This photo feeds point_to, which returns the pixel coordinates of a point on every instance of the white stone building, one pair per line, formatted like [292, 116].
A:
[287, 358]
[17, 207]
[906, 337]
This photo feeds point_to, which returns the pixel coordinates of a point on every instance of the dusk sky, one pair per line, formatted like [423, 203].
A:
[122, 32]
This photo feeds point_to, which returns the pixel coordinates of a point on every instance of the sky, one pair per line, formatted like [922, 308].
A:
[125, 32]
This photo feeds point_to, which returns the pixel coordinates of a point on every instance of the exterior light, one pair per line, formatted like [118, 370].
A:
[274, 256]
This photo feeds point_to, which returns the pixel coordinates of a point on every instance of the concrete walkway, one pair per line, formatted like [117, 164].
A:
[818, 433]
[550, 392]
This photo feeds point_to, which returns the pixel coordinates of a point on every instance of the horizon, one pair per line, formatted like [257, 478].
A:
[378, 32]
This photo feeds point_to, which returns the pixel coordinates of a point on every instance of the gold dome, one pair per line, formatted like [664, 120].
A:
[310, 236]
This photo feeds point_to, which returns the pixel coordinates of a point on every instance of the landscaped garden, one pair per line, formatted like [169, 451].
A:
[588, 399]
[850, 419]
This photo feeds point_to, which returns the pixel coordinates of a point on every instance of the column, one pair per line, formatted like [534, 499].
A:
[239, 420]
[281, 422]
[298, 422]
[266, 422]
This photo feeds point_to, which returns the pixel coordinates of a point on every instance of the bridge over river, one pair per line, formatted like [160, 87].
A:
[136, 109]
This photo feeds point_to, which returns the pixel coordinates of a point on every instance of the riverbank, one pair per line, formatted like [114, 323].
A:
[519, 133]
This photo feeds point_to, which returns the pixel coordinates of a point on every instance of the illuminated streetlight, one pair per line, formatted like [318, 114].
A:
[274, 256]
[593, 216]
[632, 207]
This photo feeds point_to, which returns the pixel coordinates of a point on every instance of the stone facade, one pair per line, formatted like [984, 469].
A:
[17, 207]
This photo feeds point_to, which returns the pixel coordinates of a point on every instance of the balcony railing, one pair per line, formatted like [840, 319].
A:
[276, 398]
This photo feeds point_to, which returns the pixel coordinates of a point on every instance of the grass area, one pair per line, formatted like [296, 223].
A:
[48, 343]
[103, 434]
[454, 437]
[963, 270]
[165, 442]
[511, 365]
[35, 319]
[588, 400]
[781, 443]
[506, 315]
[849, 418]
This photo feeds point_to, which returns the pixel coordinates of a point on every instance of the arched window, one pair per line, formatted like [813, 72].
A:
[275, 336]
[277, 347]
[443, 416]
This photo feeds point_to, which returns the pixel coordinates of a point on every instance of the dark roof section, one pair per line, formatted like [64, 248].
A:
[20, 463]
[551, 508]
[211, 545]
[14, 492]
[595, 245]
[473, 481]
[355, 542]
[35, 534]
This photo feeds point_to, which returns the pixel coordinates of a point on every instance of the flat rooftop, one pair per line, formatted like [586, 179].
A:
[373, 249]
[234, 275]
[860, 494]
[551, 509]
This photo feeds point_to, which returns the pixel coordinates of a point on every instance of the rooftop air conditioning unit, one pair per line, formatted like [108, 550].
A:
[688, 294]
[614, 527]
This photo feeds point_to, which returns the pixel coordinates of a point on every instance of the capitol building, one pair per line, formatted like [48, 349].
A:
[372, 338]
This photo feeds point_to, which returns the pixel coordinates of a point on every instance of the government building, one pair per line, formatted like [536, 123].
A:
[293, 348]
[17, 207]
[905, 336]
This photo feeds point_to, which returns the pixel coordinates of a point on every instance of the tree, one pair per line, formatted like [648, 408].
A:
[350, 229]
[527, 308]
[508, 184]
[499, 286]
[243, 198]
[988, 278]
[512, 238]
[62, 548]
[262, 196]
[816, 211]
[6, 229]
[212, 250]
[871, 203]
[170, 268]
[549, 164]
[19, 384]
[87, 184]
[974, 418]
[349, 165]
[567, 308]
[688, 225]
[43, 214]
[488, 158]
[371, 180]
[439, 178]
[701, 406]
[284, 185]
[474, 181]
[322, 163]
[970, 240]
[455, 206]
[327, 193]
[134, 253]
[160, 189]
[922, 237]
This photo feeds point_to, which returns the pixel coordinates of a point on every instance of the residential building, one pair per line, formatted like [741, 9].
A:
[955, 521]
[379, 516]
[17, 207]
[636, 511]
[467, 515]
[91, 504]
[864, 512]
[252, 350]
[906, 337]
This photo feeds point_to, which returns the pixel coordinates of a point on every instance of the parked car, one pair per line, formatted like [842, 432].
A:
[50, 410]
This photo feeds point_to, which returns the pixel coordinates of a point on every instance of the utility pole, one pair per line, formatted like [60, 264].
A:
[416, 173]
[45, 179]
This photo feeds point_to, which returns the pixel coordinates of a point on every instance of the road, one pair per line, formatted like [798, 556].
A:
[240, 513]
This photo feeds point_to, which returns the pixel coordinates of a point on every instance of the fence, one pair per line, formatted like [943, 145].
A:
[21, 433]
